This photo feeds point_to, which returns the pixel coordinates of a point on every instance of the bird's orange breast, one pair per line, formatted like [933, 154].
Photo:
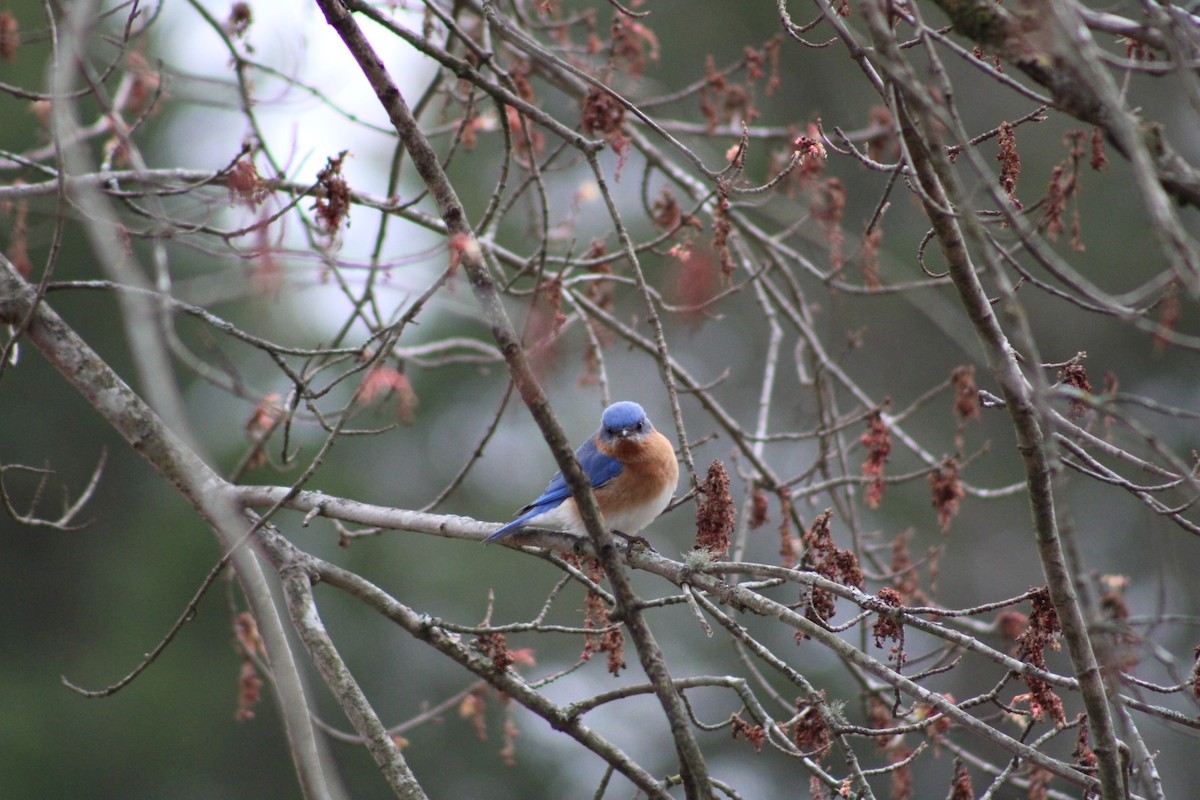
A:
[633, 499]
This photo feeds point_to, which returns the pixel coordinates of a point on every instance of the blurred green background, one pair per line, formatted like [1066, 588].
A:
[87, 604]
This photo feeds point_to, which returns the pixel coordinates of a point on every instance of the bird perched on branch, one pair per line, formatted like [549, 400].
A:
[633, 472]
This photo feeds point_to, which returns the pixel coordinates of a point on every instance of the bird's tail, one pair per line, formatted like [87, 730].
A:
[509, 529]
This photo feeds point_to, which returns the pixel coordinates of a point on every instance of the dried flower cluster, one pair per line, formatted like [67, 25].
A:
[878, 442]
[1041, 632]
[609, 639]
[715, 514]
[824, 558]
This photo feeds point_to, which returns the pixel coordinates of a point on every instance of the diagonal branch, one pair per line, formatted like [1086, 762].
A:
[298, 574]
[996, 28]
[693, 770]
[213, 498]
[1030, 424]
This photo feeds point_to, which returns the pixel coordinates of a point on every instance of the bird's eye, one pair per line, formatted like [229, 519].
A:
[640, 426]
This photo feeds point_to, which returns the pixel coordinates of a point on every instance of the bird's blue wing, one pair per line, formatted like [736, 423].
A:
[599, 468]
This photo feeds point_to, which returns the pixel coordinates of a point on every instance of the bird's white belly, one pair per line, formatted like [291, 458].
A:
[634, 520]
[565, 516]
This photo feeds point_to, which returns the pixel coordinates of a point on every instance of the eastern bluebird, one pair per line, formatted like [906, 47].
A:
[632, 470]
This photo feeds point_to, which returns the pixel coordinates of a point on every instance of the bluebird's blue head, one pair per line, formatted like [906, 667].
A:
[624, 420]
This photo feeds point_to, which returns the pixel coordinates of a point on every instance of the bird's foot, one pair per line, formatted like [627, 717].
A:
[638, 540]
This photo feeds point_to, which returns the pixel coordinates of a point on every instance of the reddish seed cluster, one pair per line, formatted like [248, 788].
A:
[1112, 602]
[722, 101]
[759, 509]
[546, 319]
[382, 381]
[240, 18]
[248, 639]
[1075, 376]
[696, 277]
[144, 87]
[1039, 784]
[1055, 201]
[473, 123]
[1099, 161]
[472, 708]
[715, 514]
[249, 692]
[509, 733]
[960, 786]
[333, 202]
[756, 58]
[878, 442]
[1041, 632]
[993, 59]
[1011, 625]
[1122, 653]
[828, 207]
[634, 45]
[603, 114]
[611, 641]
[267, 414]
[696, 281]
[809, 147]
[250, 646]
[902, 782]
[518, 73]
[813, 156]
[809, 732]
[1065, 186]
[870, 259]
[665, 212]
[829, 561]
[788, 552]
[906, 581]
[879, 715]
[754, 734]
[1082, 755]
[1010, 163]
[612, 644]
[1194, 678]
[887, 626]
[10, 36]
[1138, 50]
[1043, 618]
[495, 647]
[947, 490]
[940, 723]
[809, 154]
[966, 393]
[246, 185]
[722, 230]
[883, 146]
[528, 141]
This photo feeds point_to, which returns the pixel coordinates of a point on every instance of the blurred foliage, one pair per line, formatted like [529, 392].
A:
[88, 604]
